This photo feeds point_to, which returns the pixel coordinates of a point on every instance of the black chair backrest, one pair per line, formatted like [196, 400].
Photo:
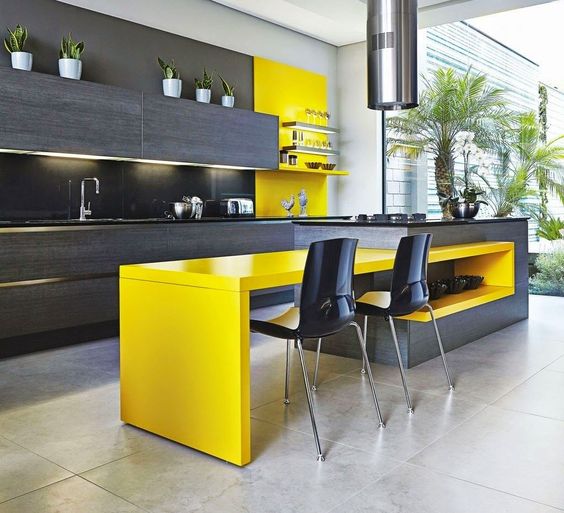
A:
[327, 301]
[409, 281]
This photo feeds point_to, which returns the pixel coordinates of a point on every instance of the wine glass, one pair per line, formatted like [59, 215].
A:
[327, 117]
[320, 115]
[314, 114]
[308, 114]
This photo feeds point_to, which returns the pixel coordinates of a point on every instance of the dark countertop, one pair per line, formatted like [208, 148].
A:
[413, 224]
[161, 220]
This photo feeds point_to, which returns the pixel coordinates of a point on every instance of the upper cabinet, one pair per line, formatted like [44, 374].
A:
[188, 131]
[45, 113]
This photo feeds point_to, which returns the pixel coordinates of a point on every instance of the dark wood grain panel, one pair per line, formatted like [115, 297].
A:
[53, 306]
[188, 131]
[79, 250]
[45, 113]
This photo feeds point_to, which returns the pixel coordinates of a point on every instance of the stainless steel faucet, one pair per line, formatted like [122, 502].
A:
[83, 210]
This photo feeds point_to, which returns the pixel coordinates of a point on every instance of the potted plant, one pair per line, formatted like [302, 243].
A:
[70, 65]
[228, 98]
[15, 43]
[466, 203]
[172, 85]
[203, 87]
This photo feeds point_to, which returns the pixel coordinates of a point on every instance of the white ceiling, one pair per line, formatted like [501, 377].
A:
[341, 22]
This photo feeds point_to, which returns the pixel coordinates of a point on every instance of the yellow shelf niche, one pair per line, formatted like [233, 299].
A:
[286, 91]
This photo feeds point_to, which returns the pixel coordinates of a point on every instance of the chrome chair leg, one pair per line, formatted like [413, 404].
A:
[439, 340]
[369, 372]
[363, 370]
[314, 386]
[320, 456]
[400, 363]
[287, 381]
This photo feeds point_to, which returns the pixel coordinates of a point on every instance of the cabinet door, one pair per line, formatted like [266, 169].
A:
[199, 133]
[42, 112]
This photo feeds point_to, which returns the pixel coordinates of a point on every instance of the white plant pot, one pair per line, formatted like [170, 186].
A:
[70, 68]
[228, 101]
[172, 87]
[203, 95]
[22, 60]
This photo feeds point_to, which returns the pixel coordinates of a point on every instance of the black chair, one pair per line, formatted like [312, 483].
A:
[409, 293]
[327, 306]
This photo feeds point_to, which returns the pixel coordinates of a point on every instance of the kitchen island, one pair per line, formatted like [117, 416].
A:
[58, 279]
[185, 336]
[417, 342]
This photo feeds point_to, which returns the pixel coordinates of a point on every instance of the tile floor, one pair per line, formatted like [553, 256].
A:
[496, 445]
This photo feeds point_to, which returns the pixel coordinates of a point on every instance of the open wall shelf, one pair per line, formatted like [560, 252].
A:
[328, 172]
[308, 127]
[310, 150]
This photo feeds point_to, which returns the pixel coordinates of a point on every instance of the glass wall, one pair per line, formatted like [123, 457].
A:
[410, 184]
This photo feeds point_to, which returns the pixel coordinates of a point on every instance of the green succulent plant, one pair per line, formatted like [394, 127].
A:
[206, 81]
[70, 49]
[228, 89]
[169, 69]
[550, 227]
[16, 39]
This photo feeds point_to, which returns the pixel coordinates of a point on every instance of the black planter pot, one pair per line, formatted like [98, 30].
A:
[465, 210]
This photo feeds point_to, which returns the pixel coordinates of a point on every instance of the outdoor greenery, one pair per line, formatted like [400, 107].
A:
[522, 161]
[16, 39]
[449, 103]
[70, 49]
[549, 280]
[169, 69]
[206, 81]
[550, 228]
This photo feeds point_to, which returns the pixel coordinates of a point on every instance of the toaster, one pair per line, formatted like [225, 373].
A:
[237, 207]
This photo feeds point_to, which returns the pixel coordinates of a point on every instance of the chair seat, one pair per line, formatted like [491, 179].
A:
[374, 302]
[283, 326]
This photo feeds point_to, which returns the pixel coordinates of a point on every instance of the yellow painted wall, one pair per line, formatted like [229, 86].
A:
[286, 91]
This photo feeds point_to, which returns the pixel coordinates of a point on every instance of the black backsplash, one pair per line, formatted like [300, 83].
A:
[35, 187]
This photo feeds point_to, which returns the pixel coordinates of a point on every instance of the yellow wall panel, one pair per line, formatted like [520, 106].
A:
[286, 91]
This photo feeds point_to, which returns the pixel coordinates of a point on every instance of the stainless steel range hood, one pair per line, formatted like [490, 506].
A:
[392, 54]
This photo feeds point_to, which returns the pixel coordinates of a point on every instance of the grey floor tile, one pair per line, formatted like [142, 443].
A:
[513, 452]
[557, 366]
[283, 477]
[484, 370]
[78, 431]
[410, 489]
[543, 394]
[38, 377]
[69, 496]
[268, 363]
[345, 414]
[22, 471]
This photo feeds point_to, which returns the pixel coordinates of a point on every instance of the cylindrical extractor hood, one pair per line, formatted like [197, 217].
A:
[392, 54]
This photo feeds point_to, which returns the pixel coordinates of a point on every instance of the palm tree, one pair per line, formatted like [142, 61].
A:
[450, 102]
[523, 161]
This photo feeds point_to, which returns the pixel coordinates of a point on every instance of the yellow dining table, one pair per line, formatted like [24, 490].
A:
[185, 340]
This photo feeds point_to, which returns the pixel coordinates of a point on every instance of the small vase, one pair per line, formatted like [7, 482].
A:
[70, 68]
[22, 60]
[203, 95]
[172, 87]
[228, 101]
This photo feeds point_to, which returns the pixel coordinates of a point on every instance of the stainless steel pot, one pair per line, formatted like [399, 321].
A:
[465, 210]
[179, 210]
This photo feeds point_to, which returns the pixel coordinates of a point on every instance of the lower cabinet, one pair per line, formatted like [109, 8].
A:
[67, 277]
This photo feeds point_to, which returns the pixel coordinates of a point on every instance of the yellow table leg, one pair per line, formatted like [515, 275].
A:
[185, 365]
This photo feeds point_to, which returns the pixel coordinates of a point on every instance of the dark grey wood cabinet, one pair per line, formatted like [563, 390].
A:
[45, 113]
[188, 131]
[42, 112]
